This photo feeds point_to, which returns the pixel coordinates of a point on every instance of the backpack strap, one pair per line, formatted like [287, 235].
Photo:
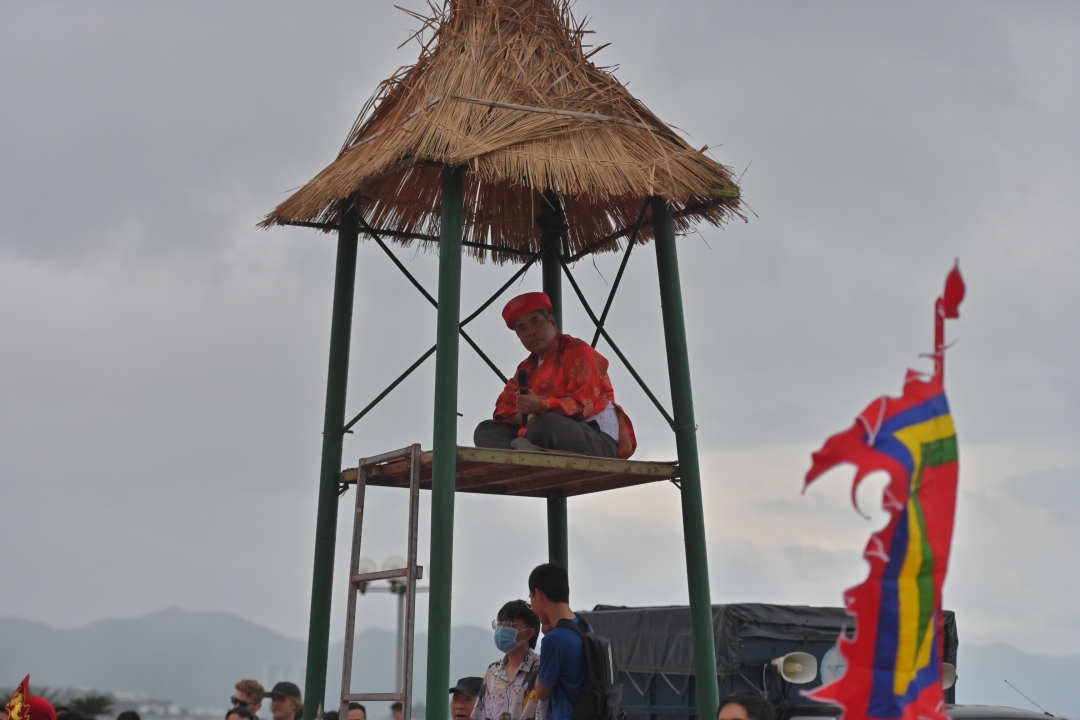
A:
[568, 624]
[580, 627]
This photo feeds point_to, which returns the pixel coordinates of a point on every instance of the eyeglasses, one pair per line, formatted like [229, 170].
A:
[496, 624]
[242, 703]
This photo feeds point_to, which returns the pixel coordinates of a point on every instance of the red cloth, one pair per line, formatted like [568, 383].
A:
[18, 707]
[41, 709]
[526, 303]
[573, 382]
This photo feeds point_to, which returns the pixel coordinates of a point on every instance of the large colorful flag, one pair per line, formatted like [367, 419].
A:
[894, 661]
[18, 707]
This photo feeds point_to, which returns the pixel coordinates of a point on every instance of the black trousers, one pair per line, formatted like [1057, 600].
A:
[550, 431]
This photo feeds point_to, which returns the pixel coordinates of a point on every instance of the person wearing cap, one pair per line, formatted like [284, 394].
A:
[285, 701]
[464, 700]
[569, 403]
[509, 685]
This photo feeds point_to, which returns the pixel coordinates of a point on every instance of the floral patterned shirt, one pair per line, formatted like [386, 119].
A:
[574, 382]
[502, 698]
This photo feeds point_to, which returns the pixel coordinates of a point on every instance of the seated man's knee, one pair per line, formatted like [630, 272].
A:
[492, 433]
[544, 430]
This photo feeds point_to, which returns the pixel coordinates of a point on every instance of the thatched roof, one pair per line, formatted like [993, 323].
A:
[506, 88]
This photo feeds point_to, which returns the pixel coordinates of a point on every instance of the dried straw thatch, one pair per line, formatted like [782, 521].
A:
[506, 88]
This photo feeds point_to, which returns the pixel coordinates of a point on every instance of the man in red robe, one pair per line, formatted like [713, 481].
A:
[568, 404]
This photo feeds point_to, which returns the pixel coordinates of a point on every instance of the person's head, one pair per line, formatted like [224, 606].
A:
[464, 697]
[236, 713]
[357, 711]
[549, 588]
[331, 715]
[249, 694]
[516, 626]
[132, 715]
[285, 700]
[746, 705]
[40, 708]
[532, 317]
[396, 711]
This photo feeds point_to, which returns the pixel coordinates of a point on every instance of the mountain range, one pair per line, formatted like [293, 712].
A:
[195, 658]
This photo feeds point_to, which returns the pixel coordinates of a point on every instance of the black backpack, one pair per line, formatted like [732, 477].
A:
[601, 693]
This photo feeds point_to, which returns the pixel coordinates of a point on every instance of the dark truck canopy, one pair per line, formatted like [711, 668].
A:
[657, 639]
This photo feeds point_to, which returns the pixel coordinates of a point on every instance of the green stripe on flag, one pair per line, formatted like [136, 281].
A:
[939, 452]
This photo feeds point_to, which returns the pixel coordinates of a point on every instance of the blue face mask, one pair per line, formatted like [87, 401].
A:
[506, 639]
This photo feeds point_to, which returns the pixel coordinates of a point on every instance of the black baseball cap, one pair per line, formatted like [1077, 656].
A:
[287, 689]
[469, 686]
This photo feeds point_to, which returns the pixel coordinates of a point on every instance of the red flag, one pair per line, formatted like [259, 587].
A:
[18, 707]
[954, 293]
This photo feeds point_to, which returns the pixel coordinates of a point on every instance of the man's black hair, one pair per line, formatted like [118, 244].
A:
[128, 715]
[358, 706]
[552, 580]
[241, 711]
[757, 706]
[396, 706]
[331, 715]
[520, 610]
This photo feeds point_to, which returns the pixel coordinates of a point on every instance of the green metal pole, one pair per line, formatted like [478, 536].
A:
[553, 225]
[444, 460]
[558, 548]
[682, 401]
[322, 581]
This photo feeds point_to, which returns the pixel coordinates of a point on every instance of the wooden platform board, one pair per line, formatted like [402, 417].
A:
[531, 474]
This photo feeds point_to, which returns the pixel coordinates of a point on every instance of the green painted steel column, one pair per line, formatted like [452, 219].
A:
[558, 547]
[444, 461]
[682, 401]
[322, 581]
[553, 225]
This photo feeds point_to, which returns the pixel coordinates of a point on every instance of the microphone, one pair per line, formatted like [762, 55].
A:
[523, 389]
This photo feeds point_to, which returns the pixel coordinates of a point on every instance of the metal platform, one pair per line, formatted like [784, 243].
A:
[529, 474]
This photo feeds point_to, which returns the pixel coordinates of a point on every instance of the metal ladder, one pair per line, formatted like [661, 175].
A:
[411, 572]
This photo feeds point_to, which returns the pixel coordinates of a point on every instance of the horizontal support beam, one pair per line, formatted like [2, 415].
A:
[591, 247]
[374, 697]
[363, 578]
[399, 590]
[402, 454]
[409, 236]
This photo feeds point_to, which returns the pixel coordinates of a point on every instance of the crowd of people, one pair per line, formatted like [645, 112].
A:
[522, 685]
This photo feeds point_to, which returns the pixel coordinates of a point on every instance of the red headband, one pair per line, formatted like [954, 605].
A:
[526, 303]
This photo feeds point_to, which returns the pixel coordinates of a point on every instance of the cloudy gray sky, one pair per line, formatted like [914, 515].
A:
[162, 363]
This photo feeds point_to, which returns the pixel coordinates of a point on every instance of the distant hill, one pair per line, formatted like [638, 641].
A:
[195, 658]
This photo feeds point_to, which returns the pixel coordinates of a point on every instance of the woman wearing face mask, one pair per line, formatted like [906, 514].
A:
[509, 690]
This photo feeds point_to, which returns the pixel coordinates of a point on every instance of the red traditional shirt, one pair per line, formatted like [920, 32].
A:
[574, 382]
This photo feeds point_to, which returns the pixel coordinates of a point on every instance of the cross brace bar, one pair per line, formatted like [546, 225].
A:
[416, 283]
[431, 351]
[602, 331]
[618, 276]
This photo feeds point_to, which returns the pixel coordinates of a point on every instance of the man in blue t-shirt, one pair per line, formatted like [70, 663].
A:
[562, 653]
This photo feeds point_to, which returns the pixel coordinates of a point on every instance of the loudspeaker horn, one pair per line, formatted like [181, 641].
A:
[797, 668]
[948, 675]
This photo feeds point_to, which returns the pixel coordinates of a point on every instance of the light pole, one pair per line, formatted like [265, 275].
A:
[399, 588]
